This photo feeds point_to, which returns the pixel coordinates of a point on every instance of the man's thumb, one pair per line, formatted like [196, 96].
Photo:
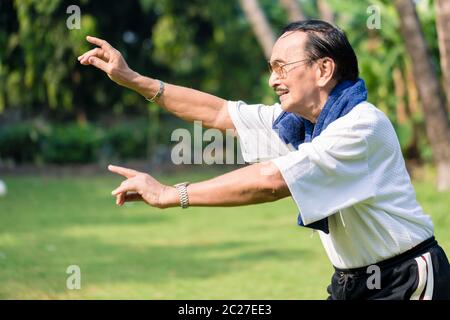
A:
[98, 63]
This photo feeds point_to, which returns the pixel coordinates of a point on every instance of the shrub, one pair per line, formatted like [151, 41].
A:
[19, 143]
[72, 143]
[126, 140]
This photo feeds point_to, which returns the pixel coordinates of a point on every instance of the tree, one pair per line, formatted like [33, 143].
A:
[325, 11]
[293, 10]
[443, 27]
[437, 124]
[260, 25]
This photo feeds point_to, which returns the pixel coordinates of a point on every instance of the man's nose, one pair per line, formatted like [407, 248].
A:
[274, 80]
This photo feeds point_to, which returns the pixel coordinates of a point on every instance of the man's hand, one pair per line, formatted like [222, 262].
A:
[140, 186]
[108, 59]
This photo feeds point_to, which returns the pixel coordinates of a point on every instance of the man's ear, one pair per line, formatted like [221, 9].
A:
[325, 71]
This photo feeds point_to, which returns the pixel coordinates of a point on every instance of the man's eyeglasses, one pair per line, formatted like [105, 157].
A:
[280, 69]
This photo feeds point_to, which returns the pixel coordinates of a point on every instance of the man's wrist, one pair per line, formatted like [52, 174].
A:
[170, 197]
[131, 79]
[145, 86]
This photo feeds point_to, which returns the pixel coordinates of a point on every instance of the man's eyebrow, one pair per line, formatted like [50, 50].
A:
[277, 60]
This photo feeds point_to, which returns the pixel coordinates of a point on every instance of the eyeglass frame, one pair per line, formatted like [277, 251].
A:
[281, 67]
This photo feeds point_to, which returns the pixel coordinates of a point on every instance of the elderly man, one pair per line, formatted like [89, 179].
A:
[341, 163]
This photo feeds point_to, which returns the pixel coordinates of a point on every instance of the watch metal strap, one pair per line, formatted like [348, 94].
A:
[182, 192]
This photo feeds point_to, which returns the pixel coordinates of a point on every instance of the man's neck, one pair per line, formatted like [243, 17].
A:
[317, 108]
[321, 101]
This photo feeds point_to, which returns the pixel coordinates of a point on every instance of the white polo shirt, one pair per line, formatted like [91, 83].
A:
[353, 173]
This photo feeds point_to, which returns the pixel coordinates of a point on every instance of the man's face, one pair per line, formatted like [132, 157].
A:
[297, 86]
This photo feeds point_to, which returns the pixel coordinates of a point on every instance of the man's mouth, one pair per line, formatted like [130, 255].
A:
[281, 93]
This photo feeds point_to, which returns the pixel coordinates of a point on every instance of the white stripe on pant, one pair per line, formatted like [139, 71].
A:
[424, 289]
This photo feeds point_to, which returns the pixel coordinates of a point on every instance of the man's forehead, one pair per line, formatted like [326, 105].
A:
[290, 44]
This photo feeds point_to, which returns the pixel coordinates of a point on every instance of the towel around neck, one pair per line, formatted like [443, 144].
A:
[295, 130]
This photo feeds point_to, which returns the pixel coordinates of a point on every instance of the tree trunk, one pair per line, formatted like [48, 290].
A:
[293, 10]
[443, 27]
[260, 25]
[437, 125]
[325, 11]
[399, 89]
[413, 95]
[414, 113]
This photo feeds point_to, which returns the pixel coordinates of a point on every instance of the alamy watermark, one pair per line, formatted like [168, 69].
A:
[74, 20]
[73, 281]
[373, 281]
[374, 19]
[260, 144]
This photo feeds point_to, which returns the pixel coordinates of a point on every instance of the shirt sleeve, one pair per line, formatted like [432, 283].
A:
[330, 173]
[253, 123]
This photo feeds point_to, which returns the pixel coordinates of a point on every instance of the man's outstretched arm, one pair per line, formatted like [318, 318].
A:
[257, 183]
[185, 103]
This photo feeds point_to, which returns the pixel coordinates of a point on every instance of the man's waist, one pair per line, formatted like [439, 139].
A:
[417, 250]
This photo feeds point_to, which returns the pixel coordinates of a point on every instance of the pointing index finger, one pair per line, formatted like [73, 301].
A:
[128, 173]
[99, 42]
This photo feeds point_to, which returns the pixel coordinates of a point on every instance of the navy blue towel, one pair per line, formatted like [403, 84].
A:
[295, 130]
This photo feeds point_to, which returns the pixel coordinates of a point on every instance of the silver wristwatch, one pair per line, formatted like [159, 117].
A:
[182, 192]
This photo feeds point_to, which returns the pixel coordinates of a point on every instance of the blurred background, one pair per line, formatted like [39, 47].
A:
[61, 123]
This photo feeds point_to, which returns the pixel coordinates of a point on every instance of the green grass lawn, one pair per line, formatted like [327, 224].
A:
[137, 252]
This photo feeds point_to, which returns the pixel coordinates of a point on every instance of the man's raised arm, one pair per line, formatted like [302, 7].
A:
[185, 103]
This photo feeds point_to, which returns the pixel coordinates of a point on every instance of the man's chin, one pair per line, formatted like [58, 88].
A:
[286, 106]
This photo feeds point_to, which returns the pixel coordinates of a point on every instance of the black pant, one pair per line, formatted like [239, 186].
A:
[402, 277]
